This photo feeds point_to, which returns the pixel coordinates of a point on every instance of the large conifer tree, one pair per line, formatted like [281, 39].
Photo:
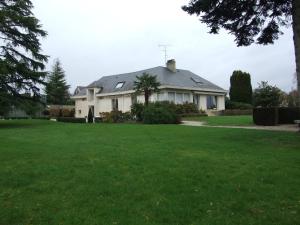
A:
[57, 90]
[240, 87]
[251, 21]
[21, 60]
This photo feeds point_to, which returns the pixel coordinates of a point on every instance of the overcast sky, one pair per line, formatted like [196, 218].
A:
[95, 38]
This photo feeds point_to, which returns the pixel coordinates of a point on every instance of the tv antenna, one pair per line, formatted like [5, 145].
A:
[165, 50]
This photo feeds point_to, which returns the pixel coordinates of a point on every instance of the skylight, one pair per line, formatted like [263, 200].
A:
[197, 80]
[120, 85]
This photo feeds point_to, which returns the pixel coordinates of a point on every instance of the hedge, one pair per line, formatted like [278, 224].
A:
[288, 115]
[71, 120]
[265, 116]
[273, 116]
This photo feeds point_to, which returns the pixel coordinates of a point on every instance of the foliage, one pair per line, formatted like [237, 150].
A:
[21, 60]
[31, 107]
[146, 84]
[116, 117]
[57, 90]
[71, 120]
[266, 95]
[160, 113]
[5, 104]
[55, 112]
[246, 20]
[265, 116]
[293, 99]
[236, 105]
[287, 115]
[137, 110]
[66, 112]
[187, 108]
[240, 87]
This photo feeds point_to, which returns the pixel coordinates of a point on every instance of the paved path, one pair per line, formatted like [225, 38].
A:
[291, 128]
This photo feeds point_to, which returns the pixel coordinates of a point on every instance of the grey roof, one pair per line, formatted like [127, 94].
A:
[182, 78]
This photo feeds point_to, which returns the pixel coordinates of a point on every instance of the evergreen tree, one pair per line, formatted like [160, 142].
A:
[146, 84]
[266, 95]
[240, 87]
[21, 61]
[57, 90]
[251, 21]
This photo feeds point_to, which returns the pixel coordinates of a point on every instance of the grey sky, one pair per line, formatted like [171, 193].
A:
[95, 38]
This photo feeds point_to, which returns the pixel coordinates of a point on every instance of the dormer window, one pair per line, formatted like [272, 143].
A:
[119, 85]
[197, 80]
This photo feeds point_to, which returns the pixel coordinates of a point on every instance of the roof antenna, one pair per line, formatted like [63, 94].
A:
[165, 50]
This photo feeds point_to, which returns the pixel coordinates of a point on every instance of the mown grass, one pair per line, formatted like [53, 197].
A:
[56, 173]
[223, 120]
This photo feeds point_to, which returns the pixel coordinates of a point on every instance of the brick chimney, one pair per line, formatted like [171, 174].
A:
[171, 65]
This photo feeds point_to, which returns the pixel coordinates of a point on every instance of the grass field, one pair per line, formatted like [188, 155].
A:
[85, 174]
[224, 120]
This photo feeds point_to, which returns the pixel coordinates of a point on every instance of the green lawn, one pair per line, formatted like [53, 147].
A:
[85, 174]
[224, 120]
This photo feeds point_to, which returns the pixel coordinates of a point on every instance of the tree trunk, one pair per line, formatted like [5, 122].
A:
[296, 29]
[146, 97]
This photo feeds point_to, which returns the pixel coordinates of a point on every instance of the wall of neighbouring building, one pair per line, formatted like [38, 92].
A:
[81, 108]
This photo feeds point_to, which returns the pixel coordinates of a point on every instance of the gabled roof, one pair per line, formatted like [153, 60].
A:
[181, 79]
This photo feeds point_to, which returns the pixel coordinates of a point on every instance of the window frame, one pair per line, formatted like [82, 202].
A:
[119, 85]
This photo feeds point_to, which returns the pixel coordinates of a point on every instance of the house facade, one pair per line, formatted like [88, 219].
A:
[117, 92]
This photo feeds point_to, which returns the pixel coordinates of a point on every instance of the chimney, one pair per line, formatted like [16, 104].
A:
[171, 65]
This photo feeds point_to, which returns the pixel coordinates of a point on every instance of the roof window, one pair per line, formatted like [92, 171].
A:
[120, 85]
[197, 80]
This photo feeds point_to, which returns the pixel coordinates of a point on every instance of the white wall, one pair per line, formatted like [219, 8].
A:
[81, 105]
[203, 102]
[221, 102]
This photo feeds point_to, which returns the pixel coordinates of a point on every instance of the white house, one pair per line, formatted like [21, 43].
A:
[177, 85]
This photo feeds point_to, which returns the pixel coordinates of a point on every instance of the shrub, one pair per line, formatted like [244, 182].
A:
[158, 113]
[265, 116]
[186, 108]
[66, 112]
[287, 115]
[55, 112]
[116, 117]
[71, 120]
[46, 112]
[237, 105]
[137, 110]
[266, 95]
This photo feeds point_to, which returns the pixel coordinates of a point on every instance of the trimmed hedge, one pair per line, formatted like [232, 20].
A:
[273, 115]
[287, 115]
[265, 116]
[71, 120]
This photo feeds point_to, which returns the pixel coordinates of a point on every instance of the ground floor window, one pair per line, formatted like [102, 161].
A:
[211, 102]
[186, 97]
[115, 105]
[161, 96]
[196, 100]
[171, 96]
[179, 98]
